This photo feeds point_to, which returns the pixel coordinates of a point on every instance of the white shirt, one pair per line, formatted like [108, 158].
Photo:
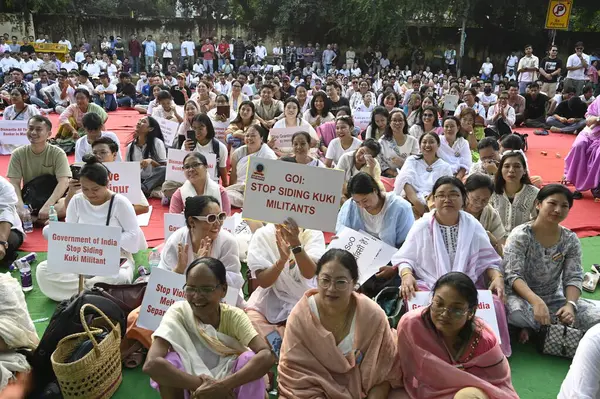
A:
[83, 146]
[574, 61]
[101, 64]
[11, 114]
[356, 72]
[487, 68]
[166, 49]
[8, 63]
[261, 52]
[138, 155]
[335, 150]
[511, 61]
[198, 68]
[208, 149]
[528, 62]
[69, 66]
[479, 109]
[68, 43]
[510, 115]
[492, 98]
[93, 69]
[223, 88]
[28, 66]
[79, 56]
[111, 70]
[187, 48]
[583, 379]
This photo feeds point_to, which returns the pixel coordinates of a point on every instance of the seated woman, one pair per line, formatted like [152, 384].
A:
[469, 130]
[204, 97]
[18, 111]
[301, 144]
[11, 228]
[364, 159]
[198, 182]
[147, 109]
[318, 113]
[338, 343]
[420, 172]
[583, 378]
[221, 101]
[396, 145]
[448, 239]
[380, 118]
[70, 125]
[282, 258]
[461, 348]
[390, 100]
[489, 157]
[301, 94]
[292, 118]
[385, 216]
[236, 132]
[343, 143]
[148, 148]
[236, 97]
[479, 191]
[413, 109]
[454, 149]
[91, 206]
[255, 146]
[204, 347]
[166, 108]
[190, 109]
[543, 272]
[582, 164]
[328, 131]
[429, 122]
[514, 195]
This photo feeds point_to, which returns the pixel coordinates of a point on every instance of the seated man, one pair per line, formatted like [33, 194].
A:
[105, 93]
[11, 231]
[17, 82]
[588, 94]
[42, 168]
[126, 93]
[536, 105]
[489, 157]
[93, 124]
[569, 116]
[501, 116]
[267, 108]
[58, 95]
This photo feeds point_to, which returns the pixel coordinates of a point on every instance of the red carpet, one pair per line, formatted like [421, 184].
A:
[549, 167]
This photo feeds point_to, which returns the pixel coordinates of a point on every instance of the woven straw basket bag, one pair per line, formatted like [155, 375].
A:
[97, 375]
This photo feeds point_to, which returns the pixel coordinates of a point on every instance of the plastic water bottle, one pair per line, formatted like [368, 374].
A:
[144, 275]
[29, 258]
[26, 280]
[153, 259]
[52, 214]
[27, 221]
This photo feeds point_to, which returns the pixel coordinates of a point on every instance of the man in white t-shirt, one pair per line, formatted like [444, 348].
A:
[528, 69]
[27, 65]
[69, 64]
[92, 123]
[188, 50]
[576, 67]
[261, 52]
[67, 43]
[167, 53]
[511, 62]
[487, 97]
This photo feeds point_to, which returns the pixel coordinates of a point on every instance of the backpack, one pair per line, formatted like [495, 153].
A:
[37, 191]
[217, 150]
[65, 321]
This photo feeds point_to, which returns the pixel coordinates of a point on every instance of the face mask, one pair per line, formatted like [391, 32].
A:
[487, 90]
[144, 78]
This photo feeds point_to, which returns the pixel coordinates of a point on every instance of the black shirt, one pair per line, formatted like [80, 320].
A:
[127, 90]
[573, 108]
[27, 49]
[335, 106]
[550, 65]
[535, 109]
[177, 94]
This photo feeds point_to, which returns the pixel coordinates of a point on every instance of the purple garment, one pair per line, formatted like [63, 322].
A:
[252, 390]
[582, 164]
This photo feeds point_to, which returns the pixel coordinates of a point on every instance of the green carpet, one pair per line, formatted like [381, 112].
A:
[534, 376]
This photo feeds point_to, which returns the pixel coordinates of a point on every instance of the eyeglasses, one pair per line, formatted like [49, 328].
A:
[190, 291]
[477, 200]
[428, 115]
[339, 285]
[452, 312]
[192, 165]
[212, 218]
[451, 196]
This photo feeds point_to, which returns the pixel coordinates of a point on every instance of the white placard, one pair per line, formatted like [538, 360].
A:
[385, 253]
[283, 135]
[450, 102]
[86, 249]
[232, 295]
[164, 289]
[278, 190]
[361, 119]
[13, 132]
[220, 128]
[169, 129]
[124, 178]
[175, 165]
[236, 225]
[364, 249]
[144, 218]
[486, 310]
[172, 222]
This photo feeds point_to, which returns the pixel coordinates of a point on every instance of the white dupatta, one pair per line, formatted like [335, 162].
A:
[211, 188]
[420, 176]
[458, 156]
[425, 253]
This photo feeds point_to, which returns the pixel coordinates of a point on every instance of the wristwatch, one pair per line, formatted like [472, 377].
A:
[4, 244]
[297, 249]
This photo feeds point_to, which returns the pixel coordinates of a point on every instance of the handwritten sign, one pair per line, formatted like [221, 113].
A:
[124, 178]
[450, 102]
[169, 129]
[236, 225]
[220, 128]
[172, 223]
[485, 310]
[87, 249]
[175, 165]
[364, 249]
[278, 190]
[384, 256]
[362, 119]
[164, 289]
[13, 132]
[283, 135]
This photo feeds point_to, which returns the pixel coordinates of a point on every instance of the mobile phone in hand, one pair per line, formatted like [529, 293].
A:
[274, 339]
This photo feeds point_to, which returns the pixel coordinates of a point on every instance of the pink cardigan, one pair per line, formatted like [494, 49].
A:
[177, 202]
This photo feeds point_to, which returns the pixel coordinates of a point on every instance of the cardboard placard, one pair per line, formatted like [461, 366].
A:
[362, 119]
[450, 102]
[364, 249]
[86, 249]
[283, 135]
[384, 256]
[13, 132]
[175, 165]
[486, 310]
[169, 129]
[124, 178]
[278, 190]
[164, 289]
[173, 222]
[220, 128]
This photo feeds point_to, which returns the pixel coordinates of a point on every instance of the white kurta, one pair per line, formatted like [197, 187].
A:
[458, 156]
[415, 172]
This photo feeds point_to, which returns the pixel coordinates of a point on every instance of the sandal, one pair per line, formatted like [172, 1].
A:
[577, 195]
[595, 268]
[590, 281]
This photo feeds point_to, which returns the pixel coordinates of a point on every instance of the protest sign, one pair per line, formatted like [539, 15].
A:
[362, 119]
[283, 135]
[236, 225]
[175, 165]
[87, 249]
[220, 128]
[172, 222]
[169, 129]
[13, 132]
[450, 102]
[485, 310]
[164, 289]
[278, 190]
[364, 249]
[124, 178]
[384, 256]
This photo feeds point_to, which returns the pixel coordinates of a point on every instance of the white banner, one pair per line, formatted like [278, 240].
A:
[385, 253]
[364, 249]
[278, 190]
[124, 178]
[220, 128]
[236, 225]
[175, 165]
[13, 132]
[361, 119]
[283, 135]
[169, 130]
[86, 249]
[172, 222]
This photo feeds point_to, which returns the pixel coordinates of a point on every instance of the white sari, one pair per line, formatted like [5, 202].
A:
[420, 176]
[458, 156]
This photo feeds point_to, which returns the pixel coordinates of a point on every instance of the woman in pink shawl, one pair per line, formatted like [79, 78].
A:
[582, 164]
[448, 239]
[447, 337]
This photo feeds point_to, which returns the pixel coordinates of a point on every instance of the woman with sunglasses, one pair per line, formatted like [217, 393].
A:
[479, 191]
[461, 348]
[282, 259]
[429, 122]
[449, 239]
[337, 343]
[396, 145]
[204, 347]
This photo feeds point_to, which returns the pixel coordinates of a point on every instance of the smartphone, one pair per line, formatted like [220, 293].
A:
[223, 110]
[180, 141]
[75, 171]
[274, 339]
[191, 135]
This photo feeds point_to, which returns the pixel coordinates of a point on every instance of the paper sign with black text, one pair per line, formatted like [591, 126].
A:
[164, 289]
[236, 225]
[13, 132]
[364, 249]
[220, 128]
[169, 129]
[278, 190]
[124, 178]
[172, 222]
[283, 135]
[86, 249]
[361, 119]
[384, 256]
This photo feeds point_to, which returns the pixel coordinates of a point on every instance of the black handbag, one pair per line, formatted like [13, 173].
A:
[559, 340]
[37, 191]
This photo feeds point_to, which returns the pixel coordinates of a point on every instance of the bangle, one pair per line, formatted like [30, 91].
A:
[574, 305]
[405, 272]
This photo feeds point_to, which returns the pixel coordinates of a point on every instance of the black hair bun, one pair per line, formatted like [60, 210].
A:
[90, 159]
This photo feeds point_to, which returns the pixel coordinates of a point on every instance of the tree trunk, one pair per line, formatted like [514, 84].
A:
[463, 38]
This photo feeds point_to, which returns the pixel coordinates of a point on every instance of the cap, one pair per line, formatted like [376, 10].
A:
[181, 75]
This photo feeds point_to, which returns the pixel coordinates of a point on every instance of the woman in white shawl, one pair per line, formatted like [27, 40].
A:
[420, 172]
[451, 240]
[282, 258]
[205, 347]
[454, 149]
[239, 162]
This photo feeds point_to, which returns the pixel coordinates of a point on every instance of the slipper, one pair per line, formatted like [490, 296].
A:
[590, 281]
[577, 195]
[541, 132]
[596, 268]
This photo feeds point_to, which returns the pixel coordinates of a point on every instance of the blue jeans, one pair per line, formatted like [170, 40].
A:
[109, 103]
[36, 101]
[125, 101]
[566, 127]
[523, 87]
[135, 64]
[208, 66]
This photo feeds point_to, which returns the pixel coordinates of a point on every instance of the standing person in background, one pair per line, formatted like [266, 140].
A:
[299, 56]
[167, 55]
[223, 52]
[290, 54]
[208, 54]
[309, 55]
[149, 52]
[119, 47]
[350, 56]
[486, 69]
[511, 62]
[328, 58]
[450, 58]
[318, 57]
[135, 50]
[239, 50]
[550, 69]
[528, 69]
[261, 51]
[577, 64]
[188, 50]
